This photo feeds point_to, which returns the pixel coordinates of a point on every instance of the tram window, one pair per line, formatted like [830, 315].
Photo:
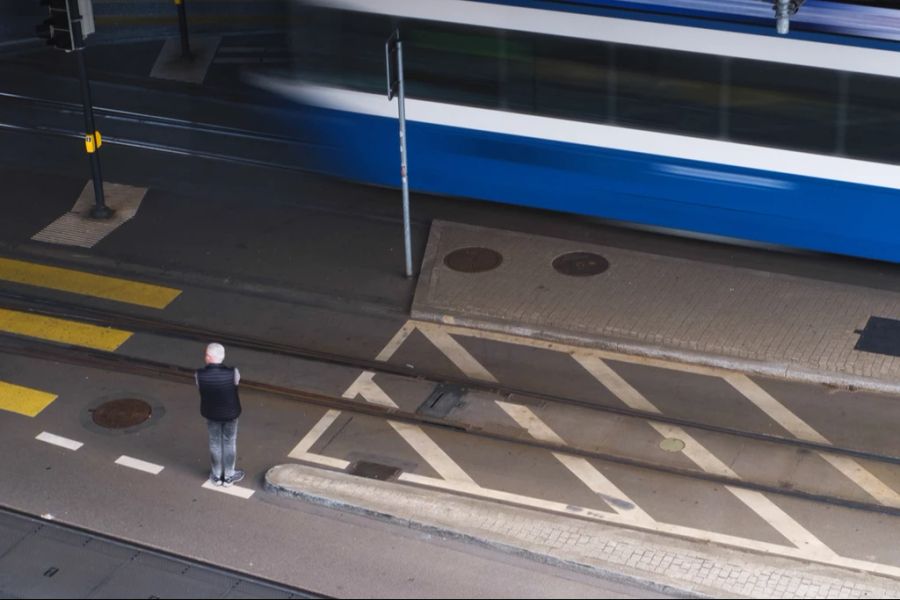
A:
[451, 63]
[571, 79]
[668, 91]
[785, 106]
[340, 48]
[873, 129]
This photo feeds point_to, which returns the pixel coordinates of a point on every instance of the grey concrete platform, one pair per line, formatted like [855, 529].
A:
[648, 304]
[661, 563]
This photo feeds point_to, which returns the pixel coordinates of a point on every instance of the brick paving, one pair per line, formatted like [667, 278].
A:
[750, 320]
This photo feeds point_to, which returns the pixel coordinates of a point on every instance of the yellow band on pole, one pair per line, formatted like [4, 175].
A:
[92, 142]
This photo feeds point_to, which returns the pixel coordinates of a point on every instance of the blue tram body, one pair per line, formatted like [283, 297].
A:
[727, 130]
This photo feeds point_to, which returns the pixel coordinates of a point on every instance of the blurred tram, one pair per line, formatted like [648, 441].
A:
[666, 114]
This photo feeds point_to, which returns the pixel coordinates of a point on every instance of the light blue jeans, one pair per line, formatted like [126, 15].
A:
[222, 447]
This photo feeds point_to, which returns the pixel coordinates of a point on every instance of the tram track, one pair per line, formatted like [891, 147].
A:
[14, 345]
[157, 126]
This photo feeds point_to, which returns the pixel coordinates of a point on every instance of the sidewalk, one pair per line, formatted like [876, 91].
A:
[663, 564]
[742, 319]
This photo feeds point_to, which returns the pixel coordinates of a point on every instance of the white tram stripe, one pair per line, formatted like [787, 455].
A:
[57, 440]
[782, 49]
[140, 465]
[790, 163]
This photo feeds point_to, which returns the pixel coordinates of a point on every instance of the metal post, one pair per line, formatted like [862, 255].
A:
[404, 172]
[182, 25]
[783, 16]
[92, 141]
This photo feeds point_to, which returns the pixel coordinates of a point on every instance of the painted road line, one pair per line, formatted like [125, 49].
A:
[458, 355]
[777, 411]
[439, 460]
[596, 481]
[322, 460]
[706, 460]
[388, 351]
[23, 400]
[57, 440]
[614, 382]
[235, 490]
[563, 348]
[366, 387]
[87, 284]
[800, 429]
[140, 465]
[327, 420]
[62, 331]
[783, 522]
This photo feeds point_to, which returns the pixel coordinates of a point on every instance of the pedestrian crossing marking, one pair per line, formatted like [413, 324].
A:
[87, 284]
[23, 400]
[62, 331]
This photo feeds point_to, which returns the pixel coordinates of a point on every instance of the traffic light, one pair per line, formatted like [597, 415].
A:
[70, 22]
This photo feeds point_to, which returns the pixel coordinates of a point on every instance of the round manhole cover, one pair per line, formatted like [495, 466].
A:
[672, 445]
[121, 414]
[473, 260]
[580, 264]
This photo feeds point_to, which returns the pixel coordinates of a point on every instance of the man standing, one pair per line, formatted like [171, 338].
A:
[221, 407]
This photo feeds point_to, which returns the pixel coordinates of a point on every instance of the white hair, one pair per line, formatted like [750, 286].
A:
[216, 352]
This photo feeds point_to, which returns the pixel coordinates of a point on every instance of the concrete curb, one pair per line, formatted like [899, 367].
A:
[272, 485]
[779, 370]
[653, 560]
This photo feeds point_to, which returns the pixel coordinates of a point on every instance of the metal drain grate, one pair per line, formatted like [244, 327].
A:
[372, 470]
[580, 264]
[473, 260]
[121, 414]
[443, 399]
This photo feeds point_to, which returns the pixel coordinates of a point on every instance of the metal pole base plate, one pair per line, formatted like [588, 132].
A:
[101, 212]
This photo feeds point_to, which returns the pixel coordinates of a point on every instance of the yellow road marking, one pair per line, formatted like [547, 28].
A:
[60, 330]
[87, 284]
[23, 400]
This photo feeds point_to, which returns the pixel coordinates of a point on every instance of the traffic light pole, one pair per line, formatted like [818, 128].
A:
[182, 25]
[92, 141]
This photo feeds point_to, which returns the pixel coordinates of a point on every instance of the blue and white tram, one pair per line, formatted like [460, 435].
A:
[684, 122]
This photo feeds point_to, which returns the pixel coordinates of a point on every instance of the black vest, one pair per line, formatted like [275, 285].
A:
[219, 399]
